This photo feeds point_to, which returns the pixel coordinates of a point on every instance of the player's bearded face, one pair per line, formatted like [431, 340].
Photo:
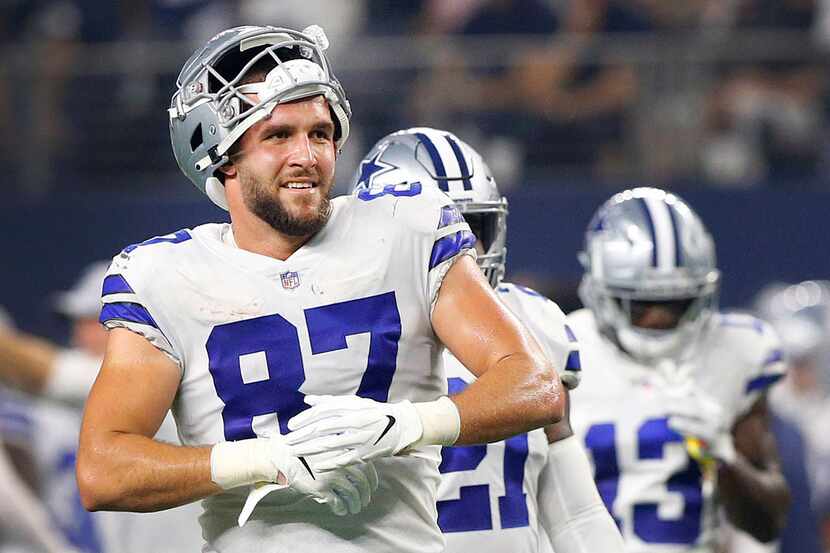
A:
[293, 217]
[286, 175]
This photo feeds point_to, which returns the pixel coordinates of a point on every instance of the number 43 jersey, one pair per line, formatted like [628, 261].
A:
[488, 498]
[347, 313]
[659, 496]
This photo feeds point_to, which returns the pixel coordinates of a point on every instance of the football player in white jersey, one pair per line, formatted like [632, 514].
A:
[672, 404]
[490, 497]
[342, 304]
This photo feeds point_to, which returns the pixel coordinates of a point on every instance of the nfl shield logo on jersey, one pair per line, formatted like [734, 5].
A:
[290, 280]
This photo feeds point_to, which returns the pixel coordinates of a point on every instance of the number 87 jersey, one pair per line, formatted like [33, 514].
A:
[347, 313]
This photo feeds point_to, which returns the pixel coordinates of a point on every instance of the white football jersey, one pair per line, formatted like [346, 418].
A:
[347, 313]
[657, 494]
[488, 493]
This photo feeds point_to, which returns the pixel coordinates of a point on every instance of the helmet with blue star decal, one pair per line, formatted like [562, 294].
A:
[437, 158]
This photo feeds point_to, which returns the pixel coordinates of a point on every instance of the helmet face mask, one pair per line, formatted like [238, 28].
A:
[440, 159]
[214, 104]
[650, 273]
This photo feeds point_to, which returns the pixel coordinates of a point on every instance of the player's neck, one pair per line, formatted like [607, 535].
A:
[257, 236]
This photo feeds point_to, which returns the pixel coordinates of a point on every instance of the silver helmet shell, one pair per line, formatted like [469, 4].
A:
[647, 245]
[210, 109]
[440, 159]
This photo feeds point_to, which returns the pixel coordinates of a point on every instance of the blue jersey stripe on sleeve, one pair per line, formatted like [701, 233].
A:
[116, 284]
[127, 311]
[449, 246]
[763, 381]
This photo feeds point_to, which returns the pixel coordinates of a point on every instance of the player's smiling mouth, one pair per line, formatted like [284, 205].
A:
[299, 185]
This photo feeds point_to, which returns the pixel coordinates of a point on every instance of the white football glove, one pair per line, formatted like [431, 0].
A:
[352, 429]
[270, 460]
[345, 491]
[698, 416]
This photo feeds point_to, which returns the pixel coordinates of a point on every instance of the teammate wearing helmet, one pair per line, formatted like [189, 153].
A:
[342, 304]
[673, 405]
[507, 495]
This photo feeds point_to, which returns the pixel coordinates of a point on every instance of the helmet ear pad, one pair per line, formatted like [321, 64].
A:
[215, 190]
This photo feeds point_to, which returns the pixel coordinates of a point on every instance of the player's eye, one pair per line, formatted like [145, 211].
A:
[321, 134]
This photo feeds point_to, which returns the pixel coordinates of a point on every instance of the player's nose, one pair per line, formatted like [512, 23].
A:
[302, 152]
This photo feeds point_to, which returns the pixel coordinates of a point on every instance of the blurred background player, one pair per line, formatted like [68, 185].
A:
[509, 495]
[58, 380]
[800, 313]
[26, 524]
[672, 405]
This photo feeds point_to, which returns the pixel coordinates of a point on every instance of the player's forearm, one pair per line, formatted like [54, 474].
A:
[517, 395]
[25, 361]
[756, 500]
[130, 472]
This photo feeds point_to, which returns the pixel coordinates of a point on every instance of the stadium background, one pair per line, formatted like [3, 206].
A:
[85, 84]
[722, 101]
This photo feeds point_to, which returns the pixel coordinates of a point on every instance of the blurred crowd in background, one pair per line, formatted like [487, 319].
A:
[553, 92]
[568, 94]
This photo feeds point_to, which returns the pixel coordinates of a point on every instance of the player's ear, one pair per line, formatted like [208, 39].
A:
[228, 170]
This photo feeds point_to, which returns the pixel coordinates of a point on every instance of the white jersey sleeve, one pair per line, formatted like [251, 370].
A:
[762, 361]
[133, 292]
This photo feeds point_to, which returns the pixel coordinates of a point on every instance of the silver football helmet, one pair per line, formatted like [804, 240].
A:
[439, 158]
[646, 246]
[210, 109]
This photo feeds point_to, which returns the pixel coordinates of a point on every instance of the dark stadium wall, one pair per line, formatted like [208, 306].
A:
[761, 235]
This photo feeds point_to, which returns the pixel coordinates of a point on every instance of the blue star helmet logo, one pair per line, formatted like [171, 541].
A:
[371, 168]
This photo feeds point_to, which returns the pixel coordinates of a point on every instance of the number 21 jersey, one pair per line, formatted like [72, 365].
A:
[488, 498]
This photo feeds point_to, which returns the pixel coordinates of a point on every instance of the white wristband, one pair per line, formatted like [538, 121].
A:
[440, 420]
[234, 464]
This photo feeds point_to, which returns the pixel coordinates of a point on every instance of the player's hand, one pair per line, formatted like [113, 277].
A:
[699, 417]
[353, 429]
[345, 491]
